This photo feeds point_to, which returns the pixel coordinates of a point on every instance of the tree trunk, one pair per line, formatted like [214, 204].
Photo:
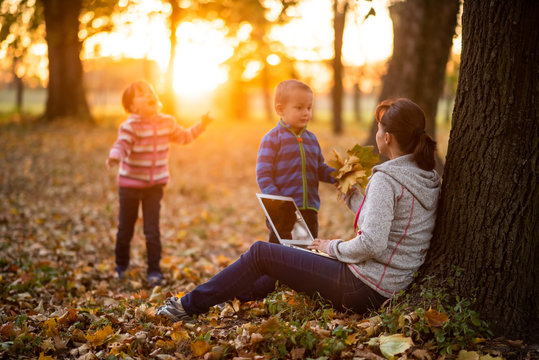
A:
[487, 219]
[168, 98]
[423, 34]
[357, 102]
[19, 88]
[266, 92]
[337, 91]
[66, 96]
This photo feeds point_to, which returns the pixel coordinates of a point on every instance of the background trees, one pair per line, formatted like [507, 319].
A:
[423, 33]
[66, 96]
[487, 225]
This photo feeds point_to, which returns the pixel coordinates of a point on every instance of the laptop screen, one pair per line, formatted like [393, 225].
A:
[286, 219]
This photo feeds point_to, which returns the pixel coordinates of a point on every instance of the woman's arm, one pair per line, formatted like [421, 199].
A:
[353, 199]
[378, 214]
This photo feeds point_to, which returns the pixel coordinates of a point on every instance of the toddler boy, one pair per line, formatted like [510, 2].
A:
[290, 161]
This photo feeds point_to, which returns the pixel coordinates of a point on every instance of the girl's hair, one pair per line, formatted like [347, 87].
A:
[405, 120]
[129, 94]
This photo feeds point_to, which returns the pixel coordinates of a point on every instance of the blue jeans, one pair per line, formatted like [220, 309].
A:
[130, 198]
[254, 274]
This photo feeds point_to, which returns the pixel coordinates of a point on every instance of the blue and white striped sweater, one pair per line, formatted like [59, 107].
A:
[292, 165]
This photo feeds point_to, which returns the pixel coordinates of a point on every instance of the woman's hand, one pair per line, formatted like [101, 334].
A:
[320, 245]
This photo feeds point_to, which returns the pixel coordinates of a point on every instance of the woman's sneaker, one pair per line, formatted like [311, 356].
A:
[173, 309]
[155, 278]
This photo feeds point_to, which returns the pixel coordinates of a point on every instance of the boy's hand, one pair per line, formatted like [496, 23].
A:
[112, 162]
[206, 119]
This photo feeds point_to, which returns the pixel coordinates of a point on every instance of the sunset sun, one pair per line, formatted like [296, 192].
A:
[201, 50]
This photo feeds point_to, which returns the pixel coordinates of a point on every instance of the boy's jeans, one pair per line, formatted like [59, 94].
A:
[311, 219]
[254, 274]
[151, 204]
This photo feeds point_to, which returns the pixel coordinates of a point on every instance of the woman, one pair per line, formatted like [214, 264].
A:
[395, 217]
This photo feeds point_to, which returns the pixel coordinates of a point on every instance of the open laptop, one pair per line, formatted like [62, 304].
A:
[287, 222]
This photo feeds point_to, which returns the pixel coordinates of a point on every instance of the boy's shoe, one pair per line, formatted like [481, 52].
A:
[155, 278]
[120, 271]
[173, 309]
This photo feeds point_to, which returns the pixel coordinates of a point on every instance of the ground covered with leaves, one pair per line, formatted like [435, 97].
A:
[60, 298]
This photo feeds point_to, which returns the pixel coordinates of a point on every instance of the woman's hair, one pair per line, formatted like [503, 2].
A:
[405, 120]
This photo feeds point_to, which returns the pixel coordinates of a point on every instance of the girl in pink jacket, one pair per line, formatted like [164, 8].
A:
[141, 151]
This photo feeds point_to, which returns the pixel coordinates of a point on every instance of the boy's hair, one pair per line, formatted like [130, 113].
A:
[129, 94]
[283, 89]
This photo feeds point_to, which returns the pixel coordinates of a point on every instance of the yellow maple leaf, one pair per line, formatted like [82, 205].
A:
[355, 169]
[351, 339]
[98, 337]
[50, 327]
[42, 356]
[200, 347]
[179, 335]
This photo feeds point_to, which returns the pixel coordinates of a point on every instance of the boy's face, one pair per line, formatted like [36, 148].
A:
[145, 101]
[297, 109]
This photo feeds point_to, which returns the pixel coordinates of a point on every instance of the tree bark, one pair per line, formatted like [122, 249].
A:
[488, 212]
[337, 91]
[423, 34]
[66, 95]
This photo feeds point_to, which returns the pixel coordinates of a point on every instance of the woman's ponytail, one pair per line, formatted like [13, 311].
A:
[406, 121]
[424, 152]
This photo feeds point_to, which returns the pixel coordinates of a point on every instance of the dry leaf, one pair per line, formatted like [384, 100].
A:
[436, 319]
[200, 347]
[99, 336]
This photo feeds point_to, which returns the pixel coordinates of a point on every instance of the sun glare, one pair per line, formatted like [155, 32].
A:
[202, 48]
[142, 32]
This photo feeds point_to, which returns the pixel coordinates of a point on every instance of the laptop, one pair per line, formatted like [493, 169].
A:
[287, 222]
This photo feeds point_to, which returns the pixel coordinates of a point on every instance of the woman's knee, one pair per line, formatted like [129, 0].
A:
[256, 252]
[258, 246]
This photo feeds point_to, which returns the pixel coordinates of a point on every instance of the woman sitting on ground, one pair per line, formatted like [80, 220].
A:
[395, 222]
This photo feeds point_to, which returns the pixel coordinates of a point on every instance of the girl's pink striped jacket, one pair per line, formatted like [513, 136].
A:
[143, 147]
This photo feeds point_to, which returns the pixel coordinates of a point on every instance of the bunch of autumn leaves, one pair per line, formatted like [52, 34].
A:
[355, 169]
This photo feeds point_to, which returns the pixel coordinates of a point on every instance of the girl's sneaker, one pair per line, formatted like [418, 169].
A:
[120, 271]
[155, 278]
[173, 309]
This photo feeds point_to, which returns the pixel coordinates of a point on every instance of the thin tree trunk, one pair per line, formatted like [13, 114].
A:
[337, 91]
[168, 98]
[66, 95]
[266, 92]
[19, 88]
[423, 34]
[487, 220]
[357, 102]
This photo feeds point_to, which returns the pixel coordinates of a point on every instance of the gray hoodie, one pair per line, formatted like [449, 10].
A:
[395, 221]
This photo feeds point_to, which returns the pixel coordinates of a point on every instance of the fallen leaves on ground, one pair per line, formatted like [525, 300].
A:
[58, 292]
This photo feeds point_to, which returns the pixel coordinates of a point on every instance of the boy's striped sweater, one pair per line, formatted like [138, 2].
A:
[292, 165]
[143, 147]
